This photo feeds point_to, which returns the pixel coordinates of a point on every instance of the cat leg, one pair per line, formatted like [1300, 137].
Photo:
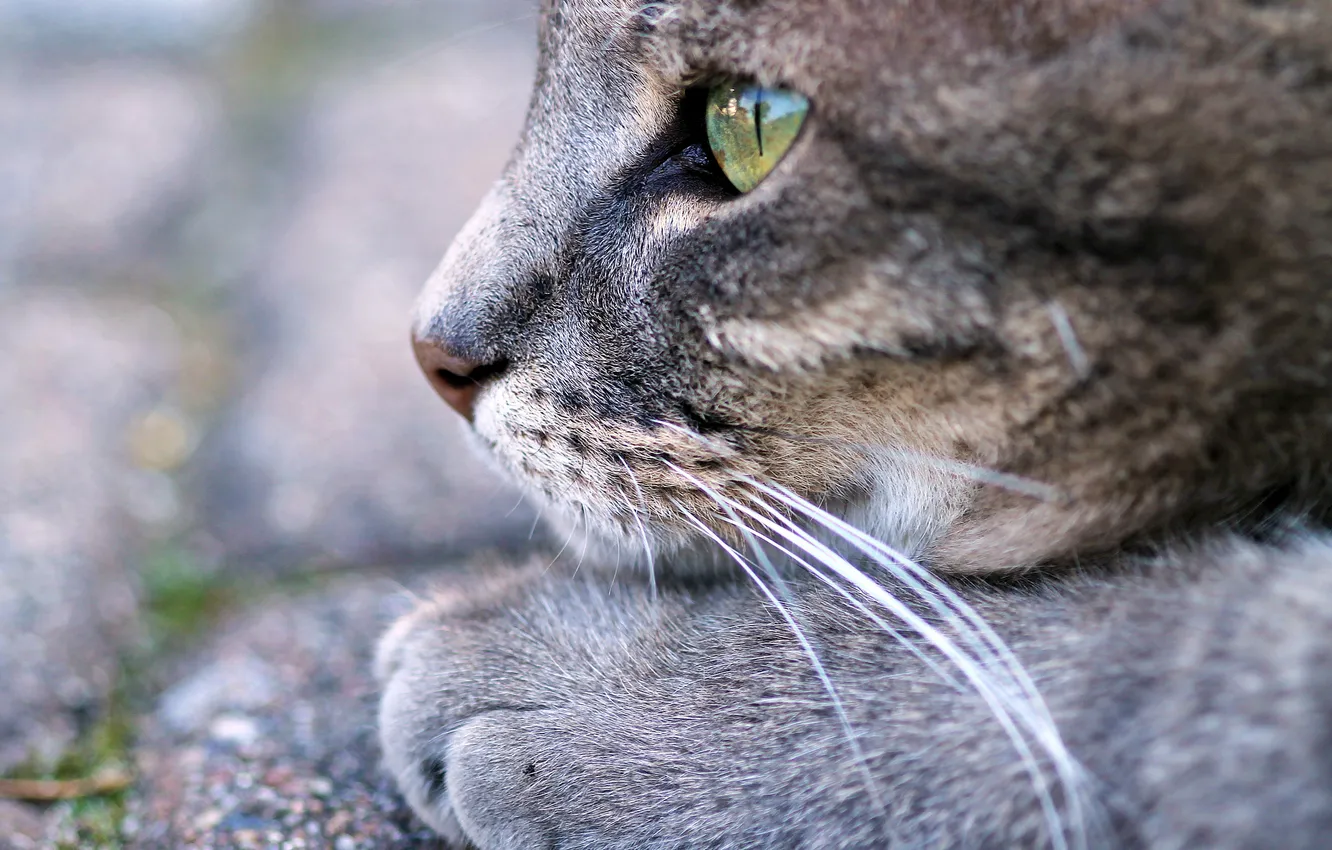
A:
[544, 712]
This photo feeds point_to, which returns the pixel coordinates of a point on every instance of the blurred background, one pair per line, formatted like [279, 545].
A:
[218, 463]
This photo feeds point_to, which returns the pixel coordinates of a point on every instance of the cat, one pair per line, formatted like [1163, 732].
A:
[957, 374]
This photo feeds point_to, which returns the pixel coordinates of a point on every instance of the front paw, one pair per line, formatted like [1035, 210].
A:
[406, 711]
[452, 687]
[540, 711]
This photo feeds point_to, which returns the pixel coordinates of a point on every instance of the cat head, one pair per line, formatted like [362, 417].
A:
[1035, 278]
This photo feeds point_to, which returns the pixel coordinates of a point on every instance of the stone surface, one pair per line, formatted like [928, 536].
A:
[288, 171]
[486, 13]
[78, 372]
[337, 450]
[184, 26]
[267, 739]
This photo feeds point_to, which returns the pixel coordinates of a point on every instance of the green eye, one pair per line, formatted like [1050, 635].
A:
[750, 129]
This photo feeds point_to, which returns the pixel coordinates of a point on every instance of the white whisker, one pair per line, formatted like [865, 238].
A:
[999, 700]
[1006, 689]
[403, 590]
[522, 497]
[618, 555]
[1028, 704]
[731, 506]
[642, 529]
[788, 615]
[920, 580]
[1068, 338]
[427, 52]
[567, 539]
[860, 607]
[583, 540]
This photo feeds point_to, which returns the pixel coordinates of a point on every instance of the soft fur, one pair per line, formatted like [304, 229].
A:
[1039, 298]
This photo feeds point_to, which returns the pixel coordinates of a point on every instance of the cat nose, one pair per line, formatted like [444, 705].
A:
[457, 379]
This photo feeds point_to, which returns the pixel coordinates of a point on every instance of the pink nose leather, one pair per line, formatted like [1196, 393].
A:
[454, 378]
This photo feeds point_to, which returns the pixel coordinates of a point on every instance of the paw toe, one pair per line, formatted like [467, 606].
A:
[491, 777]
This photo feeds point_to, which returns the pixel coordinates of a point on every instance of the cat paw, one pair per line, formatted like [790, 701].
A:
[453, 719]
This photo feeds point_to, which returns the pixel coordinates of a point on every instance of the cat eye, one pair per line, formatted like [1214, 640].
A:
[750, 128]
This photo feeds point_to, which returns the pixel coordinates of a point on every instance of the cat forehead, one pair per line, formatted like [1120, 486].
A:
[832, 44]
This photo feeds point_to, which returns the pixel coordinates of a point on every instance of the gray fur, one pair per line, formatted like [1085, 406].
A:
[1195, 689]
[1041, 295]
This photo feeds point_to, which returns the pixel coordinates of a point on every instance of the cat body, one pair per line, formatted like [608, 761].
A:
[1004, 396]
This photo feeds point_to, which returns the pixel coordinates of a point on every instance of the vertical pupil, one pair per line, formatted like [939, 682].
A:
[758, 119]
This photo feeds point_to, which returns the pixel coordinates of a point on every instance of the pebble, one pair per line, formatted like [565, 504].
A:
[234, 729]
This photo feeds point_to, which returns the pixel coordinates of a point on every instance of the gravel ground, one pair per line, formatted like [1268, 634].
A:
[97, 159]
[213, 218]
[83, 373]
[267, 738]
[21, 827]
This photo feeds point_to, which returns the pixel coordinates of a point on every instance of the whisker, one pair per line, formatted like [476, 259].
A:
[642, 529]
[1004, 480]
[731, 506]
[428, 51]
[862, 609]
[522, 497]
[1012, 697]
[583, 541]
[618, 555]
[920, 580]
[787, 614]
[1068, 338]
[1030, 706]
[995, 696]
[401, 589]
[567, 539]
[933, 586]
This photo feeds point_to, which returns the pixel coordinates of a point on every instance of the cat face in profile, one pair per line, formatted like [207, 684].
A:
[974, 286]
[1033, 278]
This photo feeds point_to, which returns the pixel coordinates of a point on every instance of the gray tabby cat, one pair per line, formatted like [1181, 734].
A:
[976, 454]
